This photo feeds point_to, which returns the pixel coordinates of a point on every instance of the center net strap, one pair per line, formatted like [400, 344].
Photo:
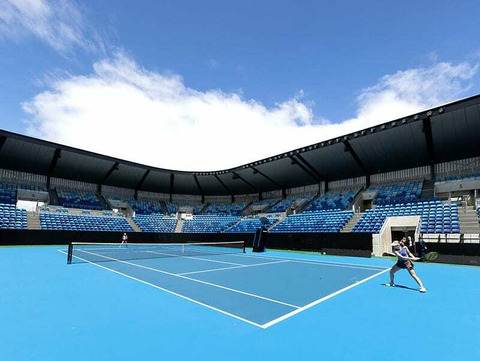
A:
[110, 252]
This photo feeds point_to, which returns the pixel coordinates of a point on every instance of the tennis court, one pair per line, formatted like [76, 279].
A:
[150, 303]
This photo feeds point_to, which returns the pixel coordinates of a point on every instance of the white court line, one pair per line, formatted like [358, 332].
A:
[270, 323]
[301, 309]
[171, 292]
[236, 267]
[326, 263]
[194, 280]
[197, 258]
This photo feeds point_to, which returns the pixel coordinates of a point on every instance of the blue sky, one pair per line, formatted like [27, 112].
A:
[204, 77]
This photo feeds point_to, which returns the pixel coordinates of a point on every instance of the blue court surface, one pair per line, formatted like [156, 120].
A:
[269, 306]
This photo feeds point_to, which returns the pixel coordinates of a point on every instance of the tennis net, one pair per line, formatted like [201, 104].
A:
[111, 252]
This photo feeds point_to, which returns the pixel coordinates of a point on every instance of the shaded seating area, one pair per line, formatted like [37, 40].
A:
[322, 221]
[73, 222]
[155, 223]
[208, 223]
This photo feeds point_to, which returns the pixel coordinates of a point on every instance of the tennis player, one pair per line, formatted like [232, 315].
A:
[405, 258]
[124, 239]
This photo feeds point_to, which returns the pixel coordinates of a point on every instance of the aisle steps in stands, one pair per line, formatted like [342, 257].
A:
[282, 217]
[358, 195]
[103, 202]
[133, 224]
[164, 207]
[468, 221]
[33, 221]
[265, 210]
[231, 226]
[246, 209]
[351, 223]
[179, 226]
[53, 197]
[306, 204]
[428, 189]
[204, 208]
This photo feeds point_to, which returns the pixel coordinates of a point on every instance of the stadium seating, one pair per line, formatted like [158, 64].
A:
[475, 176]
[140, 206]
[331, 201]
[174, 207]
[397, 193]
[145, 206]
[78, 199]
[287, 203]
[11, 217]
[225, 209]
[8, 193]
[250, 225]
[435, 216]
[263, 205]
[208, 223]
[155, 223]
[321, 221]
[73, 222]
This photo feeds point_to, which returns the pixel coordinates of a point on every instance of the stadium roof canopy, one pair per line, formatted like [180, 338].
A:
[444, 133]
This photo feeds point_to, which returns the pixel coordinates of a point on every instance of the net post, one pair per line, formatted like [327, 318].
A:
[70, 252]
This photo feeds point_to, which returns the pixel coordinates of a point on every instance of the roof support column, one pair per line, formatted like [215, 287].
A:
[3, 139]
[105, 177]
[172, 180]
[139, 184]
[199, 188]
[427, 130]
[53, 164]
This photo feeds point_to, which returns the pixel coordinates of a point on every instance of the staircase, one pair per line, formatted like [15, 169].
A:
[33, 221]
[245, 211]
[428, 189]
[351, 223]
[280, 220]
[179, 226]
[103, 203]
[305, 205]
[265, 210]
[53, 197]
[231, 226]
[204, 208]
[133, 224]
[164, 207]
[468, 221]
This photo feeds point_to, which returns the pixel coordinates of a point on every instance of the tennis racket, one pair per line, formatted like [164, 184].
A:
[431, 256]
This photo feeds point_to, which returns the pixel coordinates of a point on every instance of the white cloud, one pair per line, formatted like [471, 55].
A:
[59, 23]
[135, 114]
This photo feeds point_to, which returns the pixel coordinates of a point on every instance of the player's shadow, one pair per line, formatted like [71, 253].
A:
[401, 286]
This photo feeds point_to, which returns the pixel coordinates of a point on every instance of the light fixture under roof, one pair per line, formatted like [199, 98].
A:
[429, 113]
[415, 117]
[441, 110]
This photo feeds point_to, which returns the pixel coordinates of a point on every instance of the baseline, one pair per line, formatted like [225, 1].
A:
[326, 263]
[194, 280]
[314, 303]
[170, 292]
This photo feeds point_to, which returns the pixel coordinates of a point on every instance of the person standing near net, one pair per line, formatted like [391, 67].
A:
[124, 240]
[405, 258]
